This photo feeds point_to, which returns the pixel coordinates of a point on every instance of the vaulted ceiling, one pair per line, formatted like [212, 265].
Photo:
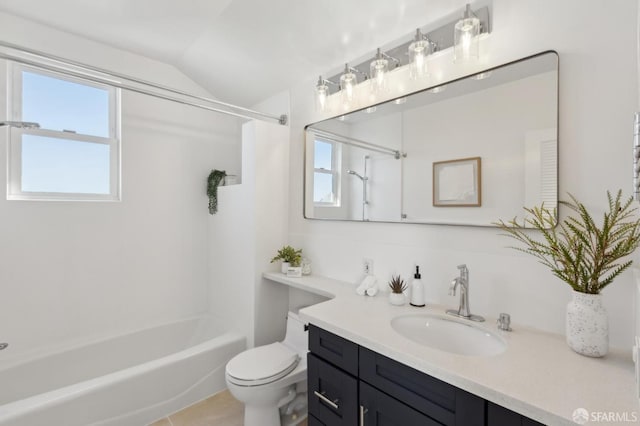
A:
[242, 51]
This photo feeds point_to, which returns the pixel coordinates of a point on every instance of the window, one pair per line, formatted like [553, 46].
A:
[326, 179]
[75, 154]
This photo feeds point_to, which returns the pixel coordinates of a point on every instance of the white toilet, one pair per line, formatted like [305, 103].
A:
[271, 380]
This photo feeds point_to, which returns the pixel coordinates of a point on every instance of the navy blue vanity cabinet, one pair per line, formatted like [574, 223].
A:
[350, 385]
[332, 369]
[500, 416]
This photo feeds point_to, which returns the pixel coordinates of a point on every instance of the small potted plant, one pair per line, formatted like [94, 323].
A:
[586, 256]
[398, 287]
[290, 257]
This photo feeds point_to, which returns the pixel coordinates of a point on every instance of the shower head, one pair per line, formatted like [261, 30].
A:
[356, 174]
[20, 124]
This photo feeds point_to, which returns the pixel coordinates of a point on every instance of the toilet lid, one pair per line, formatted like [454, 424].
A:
[261, 365]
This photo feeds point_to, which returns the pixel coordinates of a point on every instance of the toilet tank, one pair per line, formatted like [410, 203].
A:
[296, 337]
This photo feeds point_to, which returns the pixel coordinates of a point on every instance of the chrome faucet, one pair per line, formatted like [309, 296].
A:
[463, 282]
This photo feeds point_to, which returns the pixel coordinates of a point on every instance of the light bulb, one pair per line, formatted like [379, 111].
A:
[348, 82]
[322, 92]
[379, 68]
[466, 42]
[418, 51]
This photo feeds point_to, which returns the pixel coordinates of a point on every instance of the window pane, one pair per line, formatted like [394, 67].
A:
[322, 155]
[323, 188]
[59, 165]
[61, 105]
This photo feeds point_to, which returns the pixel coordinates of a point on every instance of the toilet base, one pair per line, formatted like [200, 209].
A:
[266, 412]
[261, 416]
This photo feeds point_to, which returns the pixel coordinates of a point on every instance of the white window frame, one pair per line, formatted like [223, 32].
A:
[334, 171]
[14, 153]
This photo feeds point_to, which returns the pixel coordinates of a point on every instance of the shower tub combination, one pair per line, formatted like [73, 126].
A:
[132, 379]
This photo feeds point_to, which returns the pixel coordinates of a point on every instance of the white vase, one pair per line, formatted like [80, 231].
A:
[397, 299]
[587, 325]
[285, 267]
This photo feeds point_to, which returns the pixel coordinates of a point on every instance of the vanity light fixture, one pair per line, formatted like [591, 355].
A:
[465, 37]
[418, 52]
[379, 69]
[322, 93]
[413, 53]
[348, 81]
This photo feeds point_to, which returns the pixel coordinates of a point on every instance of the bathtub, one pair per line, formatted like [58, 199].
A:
[132, 379]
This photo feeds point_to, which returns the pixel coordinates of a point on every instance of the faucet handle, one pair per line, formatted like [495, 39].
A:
[504, 322]
[452, 287]
[462, 267]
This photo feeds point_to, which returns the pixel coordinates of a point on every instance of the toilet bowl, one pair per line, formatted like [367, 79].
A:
[271, 380]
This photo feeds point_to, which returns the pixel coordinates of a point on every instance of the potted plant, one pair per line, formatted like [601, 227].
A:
[398, 287]
[289, 257]
[586, 256]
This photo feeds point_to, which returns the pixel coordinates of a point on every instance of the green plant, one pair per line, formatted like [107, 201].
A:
[578, 251]
[289, 254]
[213, 181]
[397, 284]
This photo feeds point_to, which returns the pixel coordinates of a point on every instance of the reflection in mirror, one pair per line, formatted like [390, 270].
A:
[417, 159]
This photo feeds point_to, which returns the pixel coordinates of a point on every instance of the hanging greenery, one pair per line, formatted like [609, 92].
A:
[213, 181]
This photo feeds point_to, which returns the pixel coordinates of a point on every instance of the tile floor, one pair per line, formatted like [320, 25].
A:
[221, 409]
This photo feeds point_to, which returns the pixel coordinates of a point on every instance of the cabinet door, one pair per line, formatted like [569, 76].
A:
[500, 416]
[379, 409]
[333, 394]
[312, 421]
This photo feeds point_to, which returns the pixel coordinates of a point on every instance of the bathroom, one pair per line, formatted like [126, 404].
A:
[76, 272]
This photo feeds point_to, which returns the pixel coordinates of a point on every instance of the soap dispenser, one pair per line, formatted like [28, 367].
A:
[417, 290]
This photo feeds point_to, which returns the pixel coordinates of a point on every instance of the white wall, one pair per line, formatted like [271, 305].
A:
[597, 99]
[76, 270]
[247, 232]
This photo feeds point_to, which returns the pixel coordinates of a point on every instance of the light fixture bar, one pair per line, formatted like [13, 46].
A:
[441, 36]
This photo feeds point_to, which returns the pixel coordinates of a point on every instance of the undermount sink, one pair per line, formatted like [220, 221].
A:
[449, 334]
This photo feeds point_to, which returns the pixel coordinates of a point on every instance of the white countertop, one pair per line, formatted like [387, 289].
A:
[538, 375]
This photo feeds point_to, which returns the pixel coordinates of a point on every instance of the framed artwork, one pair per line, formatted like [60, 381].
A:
[457, 183]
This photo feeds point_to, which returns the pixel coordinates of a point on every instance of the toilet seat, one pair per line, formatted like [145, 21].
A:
[262, 365]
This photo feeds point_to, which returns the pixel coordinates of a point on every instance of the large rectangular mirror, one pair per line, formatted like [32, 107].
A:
[466, 152]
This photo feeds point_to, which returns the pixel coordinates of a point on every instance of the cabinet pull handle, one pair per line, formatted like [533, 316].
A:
[327, 400]
[363, 411]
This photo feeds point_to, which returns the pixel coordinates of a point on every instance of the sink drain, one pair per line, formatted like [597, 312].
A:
[3, 346]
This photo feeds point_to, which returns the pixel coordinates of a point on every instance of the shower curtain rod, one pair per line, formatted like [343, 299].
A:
[87, 72]
[359, 143]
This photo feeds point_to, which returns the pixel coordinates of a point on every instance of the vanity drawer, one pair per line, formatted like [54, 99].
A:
[332, 393]
[379, 409]
[424, 393]
[335, 349]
